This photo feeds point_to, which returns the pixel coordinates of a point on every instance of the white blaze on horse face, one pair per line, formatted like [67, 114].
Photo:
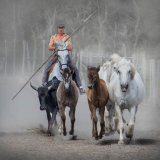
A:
[67, 81]
[124, 74]
[63, 58]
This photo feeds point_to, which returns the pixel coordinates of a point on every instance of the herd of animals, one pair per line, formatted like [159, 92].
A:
[112, 88]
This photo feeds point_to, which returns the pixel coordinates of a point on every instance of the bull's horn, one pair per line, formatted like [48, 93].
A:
[35, 88]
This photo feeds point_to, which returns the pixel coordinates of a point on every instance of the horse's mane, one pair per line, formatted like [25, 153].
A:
[92, 68]
[66, 70]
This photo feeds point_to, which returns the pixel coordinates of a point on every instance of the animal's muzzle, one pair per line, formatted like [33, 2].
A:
[124, 87]
[90, 86]
[43, 108]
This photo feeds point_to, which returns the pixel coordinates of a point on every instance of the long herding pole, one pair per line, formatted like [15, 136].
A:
[78, 28]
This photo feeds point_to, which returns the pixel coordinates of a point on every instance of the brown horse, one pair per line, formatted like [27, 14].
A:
[97, 94]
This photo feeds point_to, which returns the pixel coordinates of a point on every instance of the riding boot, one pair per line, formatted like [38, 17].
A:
[77, 77]
[47, 70]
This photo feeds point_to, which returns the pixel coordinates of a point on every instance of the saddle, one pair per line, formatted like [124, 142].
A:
[55, 82]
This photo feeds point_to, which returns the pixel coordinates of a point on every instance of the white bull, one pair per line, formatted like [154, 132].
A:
[126, 91]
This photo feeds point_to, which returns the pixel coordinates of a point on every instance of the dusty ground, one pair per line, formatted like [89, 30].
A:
[36, 145]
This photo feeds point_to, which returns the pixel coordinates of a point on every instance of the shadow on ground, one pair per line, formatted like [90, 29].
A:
[133, 142]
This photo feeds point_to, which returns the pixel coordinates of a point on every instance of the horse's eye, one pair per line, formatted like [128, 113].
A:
[118, 72]
[129, 71]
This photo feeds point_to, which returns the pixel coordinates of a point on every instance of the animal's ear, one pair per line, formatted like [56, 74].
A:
[98, 68]
[89, 67]
[72, 71]
[116, 69]
[132, 71]
[115, 66]
[106, 65]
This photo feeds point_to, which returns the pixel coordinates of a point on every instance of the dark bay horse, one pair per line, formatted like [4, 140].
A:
[97, 94]
[67, 95]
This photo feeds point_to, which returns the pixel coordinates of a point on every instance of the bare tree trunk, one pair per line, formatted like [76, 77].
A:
[6, 57]
[24, 56]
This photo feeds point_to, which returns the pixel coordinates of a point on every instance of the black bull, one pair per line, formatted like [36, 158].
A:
[48, 101]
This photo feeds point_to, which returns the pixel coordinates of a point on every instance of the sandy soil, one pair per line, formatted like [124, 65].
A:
[36, 145]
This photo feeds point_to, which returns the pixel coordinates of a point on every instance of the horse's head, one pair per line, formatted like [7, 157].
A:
[126, 72]
[42, 95]
[67, 76]
[93, 76]
[63, 58]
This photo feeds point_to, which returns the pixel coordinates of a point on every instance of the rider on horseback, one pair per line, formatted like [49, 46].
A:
[57, 42]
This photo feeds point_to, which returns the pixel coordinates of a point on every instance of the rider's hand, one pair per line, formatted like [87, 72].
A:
[69, 48]
[51, 48]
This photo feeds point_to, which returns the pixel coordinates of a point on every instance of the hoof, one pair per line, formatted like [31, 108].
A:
[107, 131]
[121, 142]
[64, 133]
[50, 134]
[96, 138]
[100, 136]
[129, 133]
[71, 132]
[43, 108]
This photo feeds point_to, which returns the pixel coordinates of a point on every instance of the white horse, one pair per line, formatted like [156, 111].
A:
[108, 68]
[63, 58]
[105, 73]
[126, 91]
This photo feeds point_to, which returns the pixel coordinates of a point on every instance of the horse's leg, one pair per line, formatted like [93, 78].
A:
[92, 125]
[48, 118]
[91, 110]
[133, 110]
[102, 123]
[107, 118]
[95, 120]
[119, 114]
[63, 118]
[72, 117]
[115, 120]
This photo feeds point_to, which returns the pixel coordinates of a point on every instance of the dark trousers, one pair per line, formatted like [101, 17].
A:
[71, 65]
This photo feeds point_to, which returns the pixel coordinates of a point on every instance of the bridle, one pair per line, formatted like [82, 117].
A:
[60, 65]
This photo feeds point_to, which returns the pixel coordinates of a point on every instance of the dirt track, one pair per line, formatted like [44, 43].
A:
[17, 142]
[35, 144]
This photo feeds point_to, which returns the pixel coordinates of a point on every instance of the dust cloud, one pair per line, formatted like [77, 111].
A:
[129, 28]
